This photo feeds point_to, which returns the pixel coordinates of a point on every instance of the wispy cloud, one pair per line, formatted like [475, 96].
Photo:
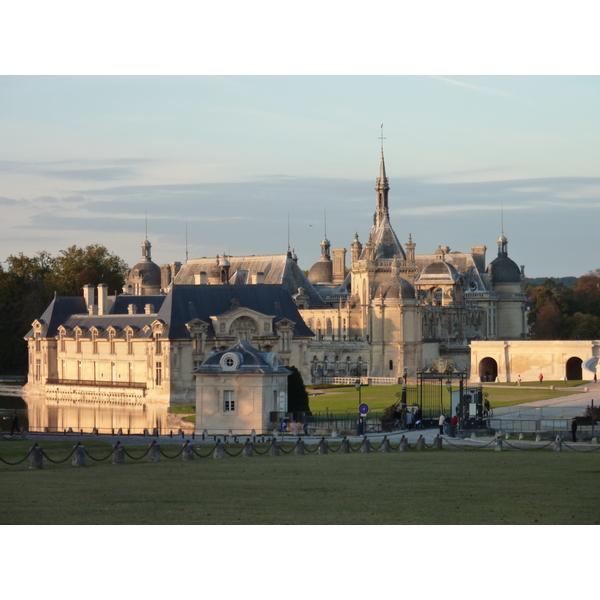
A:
[470, 86]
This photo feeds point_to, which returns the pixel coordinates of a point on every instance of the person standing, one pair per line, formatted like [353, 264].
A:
[595, 378]
[574, 429]
[15, 424]
[519, 381]
[541, 377]
[441, 423]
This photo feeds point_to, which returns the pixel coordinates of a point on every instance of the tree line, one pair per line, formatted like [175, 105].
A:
[29, 283]
[559, 312]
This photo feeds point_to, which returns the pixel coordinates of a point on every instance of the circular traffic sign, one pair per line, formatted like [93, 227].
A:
[363, 409]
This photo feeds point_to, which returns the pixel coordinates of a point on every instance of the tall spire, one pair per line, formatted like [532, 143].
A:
[381, 187]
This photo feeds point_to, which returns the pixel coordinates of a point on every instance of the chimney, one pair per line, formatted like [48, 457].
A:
[149, 309]
[102, 299]
[200, 278]
[479, 256]
[131, 309]
[259, 278]
[88, 294]
[92, 309]
[339, 265]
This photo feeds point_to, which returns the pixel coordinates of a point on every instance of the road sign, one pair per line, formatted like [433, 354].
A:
[363, 409]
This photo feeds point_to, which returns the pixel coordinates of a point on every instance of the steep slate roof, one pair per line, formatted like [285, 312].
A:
[187, 302]
[250, 361]
[58, 311]
[277, 269]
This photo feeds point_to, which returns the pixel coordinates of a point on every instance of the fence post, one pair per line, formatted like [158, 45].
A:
[36, 458]
[120, 431]
[274, 448]
[345, 447]
[365, 445]
[219, 450]
[521, 436]
[323, 449]
[154, 455]
[23, 433]
[248, 449]
[299, 450]
[538, 437]
[558, 444]
[118, 454]
[385, 445]
[145, 434]
[155, 432]
[498, 444]
[78, 456]
[437, 443]
[403, 445]
[507, 436]
[188, 451]
[594, 440]
[421, 443]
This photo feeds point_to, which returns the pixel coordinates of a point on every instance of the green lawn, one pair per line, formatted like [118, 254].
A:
[429, 487]
[342, 399]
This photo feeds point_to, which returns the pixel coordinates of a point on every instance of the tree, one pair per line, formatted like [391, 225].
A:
[297, 394]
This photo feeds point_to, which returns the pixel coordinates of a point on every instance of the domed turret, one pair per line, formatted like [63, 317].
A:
[144, 278]
[503, 269]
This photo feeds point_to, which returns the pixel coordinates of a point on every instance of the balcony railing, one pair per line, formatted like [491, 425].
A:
[140, 385]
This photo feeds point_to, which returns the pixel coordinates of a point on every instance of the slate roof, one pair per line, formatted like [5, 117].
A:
[187, 302]
[250, 361]
[277, 268]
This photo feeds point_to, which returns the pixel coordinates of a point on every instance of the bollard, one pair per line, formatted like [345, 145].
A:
[23, 433]
[498, 444]
[36, 458]
[274, 448]
[594, 440]
[155, 432]
[188, 451]
[437, 443]
[95, 431]
[120, 431]
[345, 447]
[219, 450]
[204, 435]
[473, 435]
[78, 456]
[558, 444]
[46, 430]
[385, 445]
[403, 445]
[365, 445]
[421, 443]
[538, 437]
[521, 436]
[323, 448]
[248, 449]
[145, 433]
[507, 436]
[181, 433]
[154, 455]
[118, 454]
[299, 450]
[334, 433]
[235, 441]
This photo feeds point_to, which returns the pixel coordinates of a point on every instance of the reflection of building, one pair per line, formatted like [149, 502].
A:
[240, 389]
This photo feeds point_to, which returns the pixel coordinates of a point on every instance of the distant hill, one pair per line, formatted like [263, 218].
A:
[567, 281]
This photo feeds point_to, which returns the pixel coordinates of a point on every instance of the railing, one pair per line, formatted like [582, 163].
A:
[345, 380]
[140, 385]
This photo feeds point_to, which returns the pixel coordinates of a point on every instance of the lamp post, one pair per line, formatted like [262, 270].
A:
[449, 388]
[360, 428]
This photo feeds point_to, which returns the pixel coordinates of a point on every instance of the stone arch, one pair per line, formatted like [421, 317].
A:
[573, 368]
[488, 369]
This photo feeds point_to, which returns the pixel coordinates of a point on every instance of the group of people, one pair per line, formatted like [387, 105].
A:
[406, 419]
[294, 427]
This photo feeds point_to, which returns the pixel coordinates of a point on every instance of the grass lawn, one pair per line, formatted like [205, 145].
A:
[342, 399]
[429, 487]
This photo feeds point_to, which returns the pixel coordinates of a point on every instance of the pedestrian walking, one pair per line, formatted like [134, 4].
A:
[441, 423]
[595, 378]
[574, 429]
[541, 377]
[15, 424]
[519, 381]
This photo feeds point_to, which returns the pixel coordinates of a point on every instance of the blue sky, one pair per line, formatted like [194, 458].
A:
[83, 158]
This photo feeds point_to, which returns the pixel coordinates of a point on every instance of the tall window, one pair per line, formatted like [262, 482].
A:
[129, 343]
[157, 344]
[228, 401]
[78, 342]
[158, 379]
[94, 342]
[111, 339]
[38, 343]
[38, 369]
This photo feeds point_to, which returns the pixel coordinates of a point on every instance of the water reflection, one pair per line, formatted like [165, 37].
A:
[40, 414]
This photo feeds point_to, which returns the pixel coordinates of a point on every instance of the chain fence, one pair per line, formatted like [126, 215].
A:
[219, 449]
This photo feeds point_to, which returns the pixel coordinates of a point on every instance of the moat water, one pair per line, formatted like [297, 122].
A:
[39, 414]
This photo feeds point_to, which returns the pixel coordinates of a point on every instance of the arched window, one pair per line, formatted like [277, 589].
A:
[329, 327]
[391, 365]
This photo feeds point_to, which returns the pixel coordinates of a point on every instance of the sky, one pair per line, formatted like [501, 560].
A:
[231, 152]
